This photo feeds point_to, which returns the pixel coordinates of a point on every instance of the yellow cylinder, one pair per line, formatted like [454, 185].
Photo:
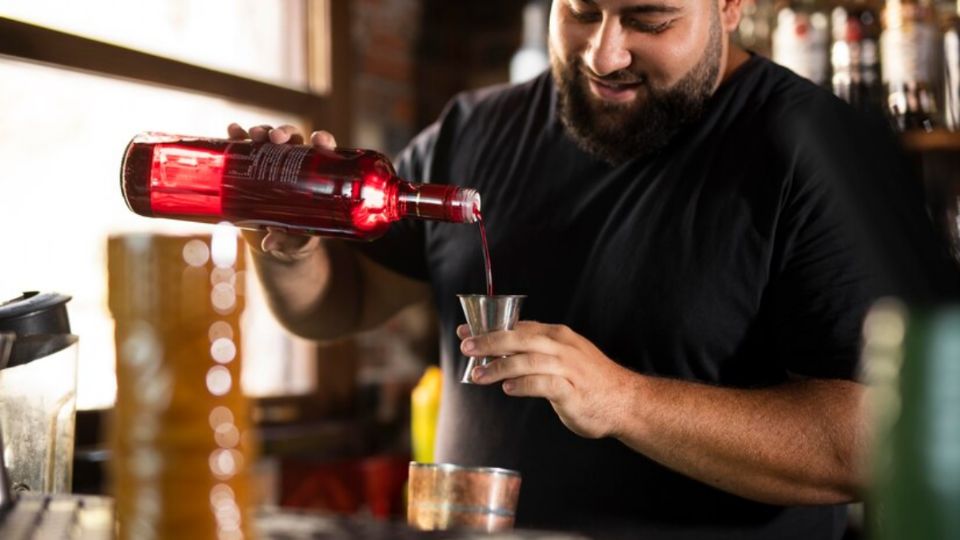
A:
[181, 434]
[425, 407]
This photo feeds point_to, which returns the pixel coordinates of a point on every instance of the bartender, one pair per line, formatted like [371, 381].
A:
[699, 232]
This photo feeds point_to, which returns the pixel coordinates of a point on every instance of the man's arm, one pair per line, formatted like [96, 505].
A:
[332, 291]
[792, 444]
[322, 289]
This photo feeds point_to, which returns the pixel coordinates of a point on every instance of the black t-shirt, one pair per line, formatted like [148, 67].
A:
[746, 251]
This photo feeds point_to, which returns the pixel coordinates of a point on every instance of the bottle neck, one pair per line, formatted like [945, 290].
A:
[438, 202]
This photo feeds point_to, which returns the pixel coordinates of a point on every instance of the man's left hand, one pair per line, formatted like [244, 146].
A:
[588, 390]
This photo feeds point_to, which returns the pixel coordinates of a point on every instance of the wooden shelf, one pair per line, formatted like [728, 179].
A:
[935, 141]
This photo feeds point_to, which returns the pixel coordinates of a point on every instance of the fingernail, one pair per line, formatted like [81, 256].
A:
[468, 345]
[478, 373]
[508, 386]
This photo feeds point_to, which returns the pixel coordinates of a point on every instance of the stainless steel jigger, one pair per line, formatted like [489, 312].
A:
[487, 314]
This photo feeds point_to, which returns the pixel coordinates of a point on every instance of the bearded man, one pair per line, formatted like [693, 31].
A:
[699, 233]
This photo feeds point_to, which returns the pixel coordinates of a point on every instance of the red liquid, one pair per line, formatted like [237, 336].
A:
[486, 253]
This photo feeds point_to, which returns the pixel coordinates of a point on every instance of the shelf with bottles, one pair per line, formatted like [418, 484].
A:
[902, 56]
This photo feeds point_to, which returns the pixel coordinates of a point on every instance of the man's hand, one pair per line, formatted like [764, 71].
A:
[276, 241]
[585, 387]
[788, 444]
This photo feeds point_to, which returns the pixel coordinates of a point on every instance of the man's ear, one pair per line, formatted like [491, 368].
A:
[730, 13]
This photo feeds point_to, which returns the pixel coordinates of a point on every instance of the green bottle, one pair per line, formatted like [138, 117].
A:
[912, 363]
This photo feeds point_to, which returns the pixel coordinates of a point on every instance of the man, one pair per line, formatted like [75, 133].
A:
[701, 233]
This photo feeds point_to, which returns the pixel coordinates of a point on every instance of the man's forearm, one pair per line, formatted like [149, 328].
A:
[797, 443]
[300, 295]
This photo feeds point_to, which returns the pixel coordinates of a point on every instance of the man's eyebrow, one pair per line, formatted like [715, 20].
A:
[649, 8]
[641, 9]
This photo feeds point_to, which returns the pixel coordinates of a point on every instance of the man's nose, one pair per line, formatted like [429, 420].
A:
[606, 52]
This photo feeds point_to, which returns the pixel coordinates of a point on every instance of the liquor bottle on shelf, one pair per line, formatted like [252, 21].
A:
[909, 359]
[756, 26]
[855, 55]
[951, 71]
[532, 57]
[801, 39]
[908, 52]
[345, 193]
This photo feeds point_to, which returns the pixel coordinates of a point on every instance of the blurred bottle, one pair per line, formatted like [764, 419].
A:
[801, 39]
[911, 363]
[909, 56]
[951, 72]
[756, 26]
[855, 55]
[425, 407]
[181, 434]
[531, 59]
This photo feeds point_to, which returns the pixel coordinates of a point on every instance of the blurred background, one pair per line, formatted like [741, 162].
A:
[79, 79]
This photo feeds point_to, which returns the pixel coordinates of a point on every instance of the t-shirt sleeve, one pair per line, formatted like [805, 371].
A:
[821, 291]
[403, 248]
[853, 228]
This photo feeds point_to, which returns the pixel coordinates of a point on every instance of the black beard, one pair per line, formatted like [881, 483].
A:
[616, 133]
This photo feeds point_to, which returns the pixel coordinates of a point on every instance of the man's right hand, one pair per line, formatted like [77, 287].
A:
[277, 242]
[297, 270]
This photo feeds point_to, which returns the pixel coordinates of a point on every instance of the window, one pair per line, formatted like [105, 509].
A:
[251, 38]
[63, 129]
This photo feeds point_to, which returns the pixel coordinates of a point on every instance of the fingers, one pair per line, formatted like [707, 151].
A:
[323, 139]
[288, 247]
[551, 387]
[285, 134]
[518, 365]
[504, 342]
[556, 331]
[237, 133]
[463, 330]
[260, 133]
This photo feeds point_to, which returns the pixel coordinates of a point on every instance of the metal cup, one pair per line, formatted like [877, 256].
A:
[487, 314]
[444, 496]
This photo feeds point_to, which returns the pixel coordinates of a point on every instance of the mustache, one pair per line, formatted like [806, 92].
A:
[617, 77]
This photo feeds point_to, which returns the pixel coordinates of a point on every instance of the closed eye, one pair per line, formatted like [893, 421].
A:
[586, 16]
[648, 27]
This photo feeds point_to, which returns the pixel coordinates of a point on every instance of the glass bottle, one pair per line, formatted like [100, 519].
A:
[910, 361]
[345, 193]
[801, 40]
[951, 72]
[855, 55]
[908, 52]
[755, 28]
[532, 57]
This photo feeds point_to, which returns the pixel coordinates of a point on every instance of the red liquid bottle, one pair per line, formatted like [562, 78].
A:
[344, 193]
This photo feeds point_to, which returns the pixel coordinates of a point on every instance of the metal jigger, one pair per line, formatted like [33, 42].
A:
[488, 314]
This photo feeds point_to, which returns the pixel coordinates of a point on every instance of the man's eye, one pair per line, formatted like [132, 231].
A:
[648, 27]
[585, 16]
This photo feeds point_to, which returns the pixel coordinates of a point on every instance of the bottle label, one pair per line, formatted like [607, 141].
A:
[801, 43]
[907, 53]
[267, 163]
[951, 50]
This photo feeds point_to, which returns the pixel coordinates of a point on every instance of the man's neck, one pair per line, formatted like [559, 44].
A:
[736, 57]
